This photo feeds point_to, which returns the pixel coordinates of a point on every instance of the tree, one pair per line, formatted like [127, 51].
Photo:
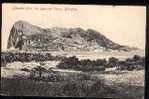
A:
[40, 70]
[86, 62]
[70, 63]
[113, 61]
[136, 58]
[32, 73]
[100, 62]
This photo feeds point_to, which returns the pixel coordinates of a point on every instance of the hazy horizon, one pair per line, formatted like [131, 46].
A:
[124, 25]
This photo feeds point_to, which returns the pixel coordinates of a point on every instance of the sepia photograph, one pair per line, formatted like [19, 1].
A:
[66, 50]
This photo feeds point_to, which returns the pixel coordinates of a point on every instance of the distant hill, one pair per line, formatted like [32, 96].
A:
[26, 36]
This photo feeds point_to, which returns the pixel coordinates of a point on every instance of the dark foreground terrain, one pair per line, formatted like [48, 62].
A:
[85, 87]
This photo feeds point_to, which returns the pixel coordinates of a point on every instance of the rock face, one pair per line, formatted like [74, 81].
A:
[25, 36]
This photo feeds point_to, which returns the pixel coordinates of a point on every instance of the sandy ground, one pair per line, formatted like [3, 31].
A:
[100, 55]
[135, 77]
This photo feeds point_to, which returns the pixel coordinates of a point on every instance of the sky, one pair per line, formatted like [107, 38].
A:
[125, 25]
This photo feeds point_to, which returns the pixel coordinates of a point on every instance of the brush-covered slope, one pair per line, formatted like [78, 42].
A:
[26, 36]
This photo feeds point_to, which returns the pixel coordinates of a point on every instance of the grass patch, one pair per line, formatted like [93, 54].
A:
[75, 88]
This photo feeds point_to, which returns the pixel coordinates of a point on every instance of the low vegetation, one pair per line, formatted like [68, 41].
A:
[83, 65]
[7, 57]
[73, 62]
[137, 62]
[77, 88]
